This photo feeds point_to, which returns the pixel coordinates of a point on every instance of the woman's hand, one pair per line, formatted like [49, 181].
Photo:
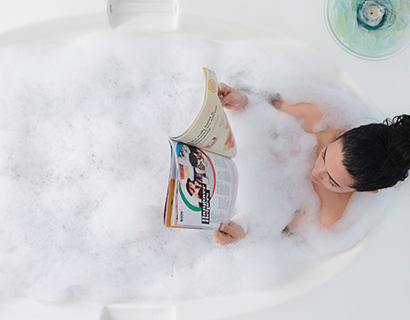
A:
[232, 99]
[228, 233]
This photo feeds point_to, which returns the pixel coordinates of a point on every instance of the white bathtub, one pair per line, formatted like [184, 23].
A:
[369, 281]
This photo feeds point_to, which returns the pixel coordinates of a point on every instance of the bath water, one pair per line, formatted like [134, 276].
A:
[84, 166]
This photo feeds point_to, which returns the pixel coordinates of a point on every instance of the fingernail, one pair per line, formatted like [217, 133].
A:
[222, 228]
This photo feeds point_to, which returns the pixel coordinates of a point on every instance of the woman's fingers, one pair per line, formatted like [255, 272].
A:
[232, 99]
[228, 233]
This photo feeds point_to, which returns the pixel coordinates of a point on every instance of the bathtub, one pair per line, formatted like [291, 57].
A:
[370, 280]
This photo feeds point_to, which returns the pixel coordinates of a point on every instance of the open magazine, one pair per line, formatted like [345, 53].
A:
[203, 180]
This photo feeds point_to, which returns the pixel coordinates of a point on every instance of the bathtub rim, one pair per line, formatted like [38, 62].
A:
[94, 24]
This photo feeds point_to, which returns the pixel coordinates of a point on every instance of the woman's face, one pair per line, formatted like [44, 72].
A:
[329, 171]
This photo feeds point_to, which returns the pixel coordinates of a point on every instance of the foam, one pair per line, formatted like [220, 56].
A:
[85, 159]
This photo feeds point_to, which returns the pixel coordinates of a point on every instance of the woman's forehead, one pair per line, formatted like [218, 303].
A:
[335, 166]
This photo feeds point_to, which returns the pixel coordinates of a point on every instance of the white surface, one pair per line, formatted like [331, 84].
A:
[370, 281]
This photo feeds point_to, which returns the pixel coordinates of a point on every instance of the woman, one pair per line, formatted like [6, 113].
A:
[363, 159]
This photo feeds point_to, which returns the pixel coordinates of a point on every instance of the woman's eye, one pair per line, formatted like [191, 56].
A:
[332, 184]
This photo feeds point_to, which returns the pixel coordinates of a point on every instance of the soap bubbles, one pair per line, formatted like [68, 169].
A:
[85, 159]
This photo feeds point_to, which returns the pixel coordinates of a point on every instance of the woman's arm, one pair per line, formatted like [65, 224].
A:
[308, 112]
[234, 100]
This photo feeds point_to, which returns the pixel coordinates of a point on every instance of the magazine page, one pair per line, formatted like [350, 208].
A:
[205, 190]
[211, 130]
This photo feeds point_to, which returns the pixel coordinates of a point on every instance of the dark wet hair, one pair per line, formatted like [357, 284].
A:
[377, 156]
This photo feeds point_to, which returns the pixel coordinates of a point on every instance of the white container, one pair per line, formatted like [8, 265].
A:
[369, 281]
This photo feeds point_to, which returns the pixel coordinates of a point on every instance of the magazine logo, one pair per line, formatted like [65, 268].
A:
[205, 217]
[212, 86]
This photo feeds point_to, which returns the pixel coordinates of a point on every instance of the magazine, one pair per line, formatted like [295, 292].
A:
[203, 179]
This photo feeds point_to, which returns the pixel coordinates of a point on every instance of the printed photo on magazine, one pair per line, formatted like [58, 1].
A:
[203, 180]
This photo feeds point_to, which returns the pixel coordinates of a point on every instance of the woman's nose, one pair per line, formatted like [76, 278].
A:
[318, 171]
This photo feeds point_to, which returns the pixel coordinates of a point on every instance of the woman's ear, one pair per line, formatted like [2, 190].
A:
[374, 192]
